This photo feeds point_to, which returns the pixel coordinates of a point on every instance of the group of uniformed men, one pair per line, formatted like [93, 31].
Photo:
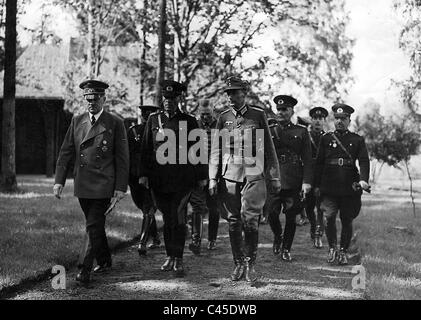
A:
[288, 167]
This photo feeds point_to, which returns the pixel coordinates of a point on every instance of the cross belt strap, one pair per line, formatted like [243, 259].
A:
[340, 162]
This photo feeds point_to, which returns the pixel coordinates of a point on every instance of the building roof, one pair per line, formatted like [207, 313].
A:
[40, 70]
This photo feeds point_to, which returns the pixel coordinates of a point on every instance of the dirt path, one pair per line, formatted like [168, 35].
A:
[307, 277]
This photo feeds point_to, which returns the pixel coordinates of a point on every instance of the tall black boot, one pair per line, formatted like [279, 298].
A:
[144, 234]
[196, 236]
[251, 240]
[236, 240]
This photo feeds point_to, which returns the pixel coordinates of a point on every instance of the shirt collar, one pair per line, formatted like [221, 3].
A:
[96, 116]
[177, 112]
[240, 111]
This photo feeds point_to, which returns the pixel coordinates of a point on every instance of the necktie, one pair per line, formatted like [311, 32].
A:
[93, 120]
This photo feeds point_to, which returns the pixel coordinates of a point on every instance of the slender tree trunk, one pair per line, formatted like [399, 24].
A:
[161, 51]
[143, 45]
[8, 165]
[91, 40]
[410, 187]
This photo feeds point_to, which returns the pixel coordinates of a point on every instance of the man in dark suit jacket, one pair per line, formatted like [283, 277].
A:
[97, 143]
[171, 182]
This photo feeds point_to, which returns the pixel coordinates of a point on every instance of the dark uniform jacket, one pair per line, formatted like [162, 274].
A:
[100, 153]
[208, 129]
[178, 176]
[134, 137]
[229, 160]
[315, 138]
[335, 169]
[293, 149]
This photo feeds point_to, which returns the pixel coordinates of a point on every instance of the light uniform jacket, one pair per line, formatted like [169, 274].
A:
[100, 153]
[229, 157]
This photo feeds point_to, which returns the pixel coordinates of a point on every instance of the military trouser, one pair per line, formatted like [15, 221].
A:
[290, 202]
[97, 248]
[243, 205]
[174, 211]
[314, 214]
[143, 200]
[349, 208]
[202, 202]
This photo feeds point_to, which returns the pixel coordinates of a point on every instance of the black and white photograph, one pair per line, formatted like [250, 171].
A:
[208, 158]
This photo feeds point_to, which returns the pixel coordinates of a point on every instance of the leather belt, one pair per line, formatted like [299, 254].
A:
[340, 162]
[284, 158]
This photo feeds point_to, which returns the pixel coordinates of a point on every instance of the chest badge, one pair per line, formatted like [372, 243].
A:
[104, 149]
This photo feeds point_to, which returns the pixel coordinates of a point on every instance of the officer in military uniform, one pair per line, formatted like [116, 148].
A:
[97, 142]
[338, 180]
[318, 119]
[201, 201]
[242, 132]
[167, 168]
[141, 196]
[293, 149]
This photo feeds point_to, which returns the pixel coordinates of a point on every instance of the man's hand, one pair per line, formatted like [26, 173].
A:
[364, 185]
[57, 190]
[317, 192]
[306, 188]
[275, 186]
[212, 187]
[202, 183]
[144, 181]
[119, 195]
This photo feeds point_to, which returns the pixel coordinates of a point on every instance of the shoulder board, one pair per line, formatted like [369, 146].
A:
[301, 126]
[327, 133]
[225, 111]
[133, 126]
[257, 108]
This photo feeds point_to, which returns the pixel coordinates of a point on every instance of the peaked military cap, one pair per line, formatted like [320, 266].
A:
[92, 87]
[148, 107]
[235, 83]
[318, 112]
[285, 101]
[303, 121]
[341, 109]
[172, 89]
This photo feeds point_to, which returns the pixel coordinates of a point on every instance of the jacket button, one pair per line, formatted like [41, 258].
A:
[81, 165]
[81, 155]
[98, 167]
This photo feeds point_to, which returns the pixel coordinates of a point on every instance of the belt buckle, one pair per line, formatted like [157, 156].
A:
[282, 158]
[341, 161]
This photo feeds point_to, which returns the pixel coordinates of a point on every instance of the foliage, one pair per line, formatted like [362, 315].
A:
[409, 42]
[388, 140]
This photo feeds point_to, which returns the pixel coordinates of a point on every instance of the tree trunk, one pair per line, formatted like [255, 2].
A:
[8, 165]
[91, 40]
[143, 44]
[410, 186]
[161, 51]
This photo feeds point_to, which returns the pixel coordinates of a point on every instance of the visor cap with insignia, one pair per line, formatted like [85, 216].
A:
[342, 110]
[318, 112]
[92, 88]
[285, 101]
[148, 107]
[303, 121]
[235, 83]
[172, 89]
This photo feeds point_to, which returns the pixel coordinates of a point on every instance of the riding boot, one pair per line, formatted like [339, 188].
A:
[144, 234]
[196, 236]
[251, 240]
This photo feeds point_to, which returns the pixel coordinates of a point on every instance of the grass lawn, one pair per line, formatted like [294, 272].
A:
[38, 231]
[391, 256]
